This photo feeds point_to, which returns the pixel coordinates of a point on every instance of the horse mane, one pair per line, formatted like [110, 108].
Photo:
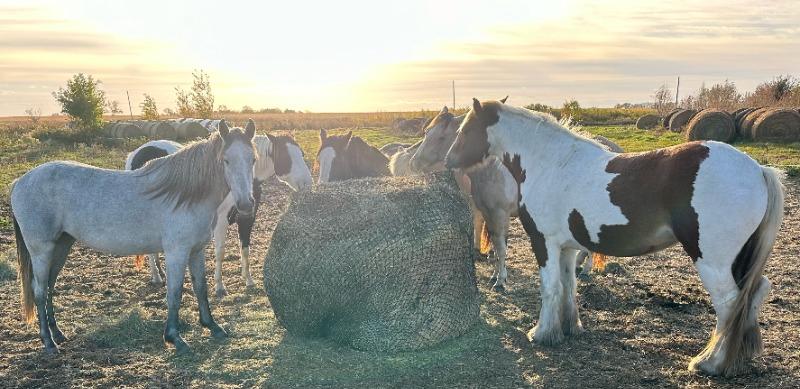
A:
[565, 125]
[188, 175]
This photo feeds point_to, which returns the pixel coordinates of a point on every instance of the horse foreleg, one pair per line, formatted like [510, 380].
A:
[197, 270]
[176, 270]
[220, 232]
[548, 331]
[497, 222]
[245, 229]
[570, 322]
[156, 274]
[585, 259]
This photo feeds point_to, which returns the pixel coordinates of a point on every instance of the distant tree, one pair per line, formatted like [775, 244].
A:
[183, 102]
[222, 108]
[287, 110]
[269, 110]
[149, 109]
[779, 91]
[82, 100]
[34, 115]
[112, 107]
[539, 107]
[247, 109]
[169, 112]
[202, 97]
[723, 96]
[662, 100]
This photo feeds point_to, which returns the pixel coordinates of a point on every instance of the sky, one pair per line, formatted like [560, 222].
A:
[358, 56]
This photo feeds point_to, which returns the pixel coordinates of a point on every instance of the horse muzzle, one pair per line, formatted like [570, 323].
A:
[246, 207]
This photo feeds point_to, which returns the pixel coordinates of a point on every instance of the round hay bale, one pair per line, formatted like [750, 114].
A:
[738, 119]
[189, 130]
[711, 124]
[381, 264]
[648, 121]
[746, 127]
[160, 130]
[665, 121]
[737, 111]
[123, 130]
[777, 125]
[679, 119]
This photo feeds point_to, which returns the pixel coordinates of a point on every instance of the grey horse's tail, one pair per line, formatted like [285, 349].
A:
[25, 272]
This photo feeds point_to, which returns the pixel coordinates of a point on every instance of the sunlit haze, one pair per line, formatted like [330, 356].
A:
[342, 56]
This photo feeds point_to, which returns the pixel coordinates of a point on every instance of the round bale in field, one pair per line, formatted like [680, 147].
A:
[747, 121]
[777, 125]
[381, 264]
[711, 124]
[679, 119]
[123, 130]
[159, 130]
[738, 117]
[665, 121]
[189, 130]
[648, 121]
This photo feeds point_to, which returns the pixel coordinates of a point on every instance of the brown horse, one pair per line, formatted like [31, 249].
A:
[342, 157]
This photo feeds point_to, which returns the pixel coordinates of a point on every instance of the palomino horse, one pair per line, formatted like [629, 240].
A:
[400, 161]
[718, 203]
[168, 205]
[278, 155]
[493, 191]
[342, 157]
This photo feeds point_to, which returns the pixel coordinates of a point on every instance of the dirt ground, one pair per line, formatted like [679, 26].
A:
[645, 318]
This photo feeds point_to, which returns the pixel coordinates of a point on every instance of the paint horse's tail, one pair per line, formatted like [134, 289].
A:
[741, 334]
[486, 243]
[25, 272]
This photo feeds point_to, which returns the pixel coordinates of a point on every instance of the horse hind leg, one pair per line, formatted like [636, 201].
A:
[156, 274]
[570, 321]
[41, 262]
[60, 252]
[220, 232]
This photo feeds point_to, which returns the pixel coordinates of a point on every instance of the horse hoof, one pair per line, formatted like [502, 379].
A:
[499, 288]
[221, 292]
[219, 333]
[545, 338]
[51, 350]
[58, 337]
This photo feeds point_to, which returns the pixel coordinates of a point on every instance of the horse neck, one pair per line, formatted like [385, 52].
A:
[265, 166]
[545, 142]
[368, 160]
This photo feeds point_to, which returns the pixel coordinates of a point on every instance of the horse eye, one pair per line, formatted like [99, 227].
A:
[225, 161]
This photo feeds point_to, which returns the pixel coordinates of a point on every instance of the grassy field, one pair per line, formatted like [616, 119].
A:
[642, 326]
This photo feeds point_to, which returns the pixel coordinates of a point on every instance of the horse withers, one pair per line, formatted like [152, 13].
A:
[342, 157]
[166, 206]
[722, 206]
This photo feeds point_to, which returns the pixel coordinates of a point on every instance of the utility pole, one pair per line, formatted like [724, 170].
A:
[454, 95]
[677, 91]
[130, 110]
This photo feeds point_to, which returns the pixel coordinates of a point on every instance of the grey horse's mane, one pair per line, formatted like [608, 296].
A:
[188, 175]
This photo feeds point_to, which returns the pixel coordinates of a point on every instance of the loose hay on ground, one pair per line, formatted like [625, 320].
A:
[377, 264]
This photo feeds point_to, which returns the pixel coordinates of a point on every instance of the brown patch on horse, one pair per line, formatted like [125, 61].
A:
[280, 153]
[653, 190]
[537, 238]
[472, 144]
[366, 160]
[514, 166]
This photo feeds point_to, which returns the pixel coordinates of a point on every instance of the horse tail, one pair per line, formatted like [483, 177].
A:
[138, 262]
[25, 273]
[486, 244]
[742, 331]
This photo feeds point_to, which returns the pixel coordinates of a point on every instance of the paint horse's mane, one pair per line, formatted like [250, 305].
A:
[538, 119]
[191, 173]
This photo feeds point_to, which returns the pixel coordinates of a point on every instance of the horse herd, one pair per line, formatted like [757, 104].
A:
[574, 195]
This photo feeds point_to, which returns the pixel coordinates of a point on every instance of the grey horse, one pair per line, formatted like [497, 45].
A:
[169, 206]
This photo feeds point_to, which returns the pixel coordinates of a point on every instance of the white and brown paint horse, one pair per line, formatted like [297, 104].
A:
[166, 206]
[722, 206]
[342, 157]
[493, 191]
[278, 155]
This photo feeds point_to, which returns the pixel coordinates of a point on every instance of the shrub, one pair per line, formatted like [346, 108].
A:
[83, 101]
[149, 109]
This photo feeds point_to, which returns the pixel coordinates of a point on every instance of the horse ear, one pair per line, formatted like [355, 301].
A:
[250, 129]
[444, 110]
[323, 135]
[503, 100]
[476, 106]
[223, 129]
[349, 135]
[271, 138]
